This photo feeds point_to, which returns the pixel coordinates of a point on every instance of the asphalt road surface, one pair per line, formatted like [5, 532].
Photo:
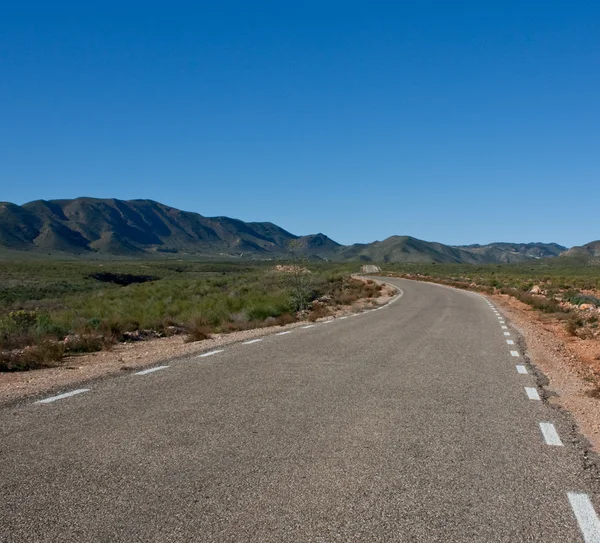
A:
[409, 423]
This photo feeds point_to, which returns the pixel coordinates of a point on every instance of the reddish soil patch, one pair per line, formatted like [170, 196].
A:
[571, 364]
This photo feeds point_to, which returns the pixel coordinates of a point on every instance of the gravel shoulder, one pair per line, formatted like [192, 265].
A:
[571, 364]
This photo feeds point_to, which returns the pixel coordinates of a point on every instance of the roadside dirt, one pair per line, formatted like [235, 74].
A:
[571, 364]
[125, 357]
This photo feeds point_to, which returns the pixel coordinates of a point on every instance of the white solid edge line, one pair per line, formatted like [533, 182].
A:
[308, 326]
[250, 341]
[342, 318]
[283, 333]
[586, 516]
[550, 434]
[532, 393]
[65, 395]
[521, 369]
[510, 342]
[514, 353]
[210, 353]
[151, 370]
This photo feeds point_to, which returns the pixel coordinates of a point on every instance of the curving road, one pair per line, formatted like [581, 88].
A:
[410, 423]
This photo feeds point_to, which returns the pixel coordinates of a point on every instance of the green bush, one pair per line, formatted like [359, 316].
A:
[44, 303]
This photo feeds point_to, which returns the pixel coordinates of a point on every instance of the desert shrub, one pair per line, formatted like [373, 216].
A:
[285, 318]
[22, 328]
[87, 343]
[573, 324]
[198, 329]
[541, 303]
[317, 312]
[19, 321]
[43, 355]
[577, 298]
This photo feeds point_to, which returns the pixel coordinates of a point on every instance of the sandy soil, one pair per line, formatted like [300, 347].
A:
[77, 370]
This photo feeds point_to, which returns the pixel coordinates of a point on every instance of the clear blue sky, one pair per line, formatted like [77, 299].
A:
[458, 122]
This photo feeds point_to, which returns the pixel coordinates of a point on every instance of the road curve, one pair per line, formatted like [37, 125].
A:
[417, 422]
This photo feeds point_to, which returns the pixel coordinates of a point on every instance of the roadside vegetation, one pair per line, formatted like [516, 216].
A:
[49, 309]
[565, 289]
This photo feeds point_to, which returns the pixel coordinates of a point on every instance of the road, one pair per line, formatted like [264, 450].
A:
[410, 423]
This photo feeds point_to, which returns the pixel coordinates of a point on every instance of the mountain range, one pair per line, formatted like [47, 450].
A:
[140, 228]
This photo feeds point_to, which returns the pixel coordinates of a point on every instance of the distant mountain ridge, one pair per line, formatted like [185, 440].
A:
[514, 252]
[590, 250]
[135, 227]
[139, 228]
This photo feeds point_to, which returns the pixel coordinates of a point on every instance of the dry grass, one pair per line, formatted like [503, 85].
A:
[318, 312]
[197, 330]
[43, 355]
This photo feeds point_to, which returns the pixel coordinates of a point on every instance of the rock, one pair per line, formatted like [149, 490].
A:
[587, 307]
[132, 336]
[535, 290]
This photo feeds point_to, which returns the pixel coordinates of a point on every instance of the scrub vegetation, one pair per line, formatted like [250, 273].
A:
[564, 288]
[49, 309]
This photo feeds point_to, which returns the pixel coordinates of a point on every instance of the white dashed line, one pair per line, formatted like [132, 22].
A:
[283, 333]
[550, 434]
[251, 341]
[151, 370]
[210, 353]
[308, 326]
[522, 369]
[514, 353]
[586, 516]
[501, 322]
[504, 327]
[65, 395]
[532, 393]
[510, 342]
[507, 333]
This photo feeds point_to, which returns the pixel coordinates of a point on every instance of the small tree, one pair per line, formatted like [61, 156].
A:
[299, 277]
